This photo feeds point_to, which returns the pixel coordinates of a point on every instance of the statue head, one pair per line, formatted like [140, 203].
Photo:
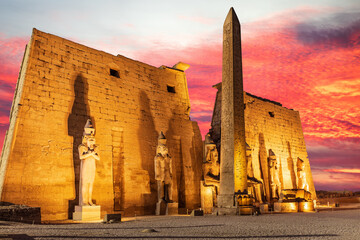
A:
[162, 148]
[89, 128]
[272, 158]
[88, 135]
[214, 152]
[91, 142]
[161, 138]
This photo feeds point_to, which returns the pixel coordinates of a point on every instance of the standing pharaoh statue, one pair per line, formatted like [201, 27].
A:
[301, 174]
[254, 185]
[163, 172]
[88, 153]
[274, 167]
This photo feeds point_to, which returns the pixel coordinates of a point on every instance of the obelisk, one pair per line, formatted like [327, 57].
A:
[233, 175]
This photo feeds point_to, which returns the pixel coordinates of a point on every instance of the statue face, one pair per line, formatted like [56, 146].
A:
[91, 142]
[162, 149]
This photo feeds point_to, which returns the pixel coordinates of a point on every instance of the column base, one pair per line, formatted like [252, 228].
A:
[225, 211]
[226, 201]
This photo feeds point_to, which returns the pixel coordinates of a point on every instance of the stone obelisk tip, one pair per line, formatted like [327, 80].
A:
[231, 17]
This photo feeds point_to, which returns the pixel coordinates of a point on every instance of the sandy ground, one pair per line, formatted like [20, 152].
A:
[322, 225]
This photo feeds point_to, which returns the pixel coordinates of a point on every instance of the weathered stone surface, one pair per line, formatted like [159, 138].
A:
[19, 213]
[62, 84]
[233, 176]
[112, 218]
[286, 207]
[282, 133]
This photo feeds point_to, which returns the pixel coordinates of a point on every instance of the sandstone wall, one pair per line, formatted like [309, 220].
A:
[65, 83]
[268, 125]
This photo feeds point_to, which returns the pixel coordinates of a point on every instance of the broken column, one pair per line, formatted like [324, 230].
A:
[233, 175]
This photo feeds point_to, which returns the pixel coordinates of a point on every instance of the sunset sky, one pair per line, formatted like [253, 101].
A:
[302, 53]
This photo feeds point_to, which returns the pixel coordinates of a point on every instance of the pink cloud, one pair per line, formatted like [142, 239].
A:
[11, 53]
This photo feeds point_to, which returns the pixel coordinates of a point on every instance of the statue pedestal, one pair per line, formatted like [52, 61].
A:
[172, 208]
[86, 213]
[245, 204]
[306, 207]
[246, 210]
[264, 208]
[225, 211]
[163, 208]
[286, 207]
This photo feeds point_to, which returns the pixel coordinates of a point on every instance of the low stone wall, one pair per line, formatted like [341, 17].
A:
[19, 213]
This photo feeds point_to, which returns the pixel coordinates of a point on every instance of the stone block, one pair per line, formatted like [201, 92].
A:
[225, 211]
[287, 207]
[112, 217]
[173, 208]
[19, 213]
[306, 207]
[86, 213]
[264, 208]
[197, 212]
[245, 210]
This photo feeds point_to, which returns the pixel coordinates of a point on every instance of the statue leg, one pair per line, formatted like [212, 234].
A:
[160, 190]
[90, 194]
[84, 194]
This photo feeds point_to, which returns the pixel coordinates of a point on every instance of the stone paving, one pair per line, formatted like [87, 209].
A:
[322, 225]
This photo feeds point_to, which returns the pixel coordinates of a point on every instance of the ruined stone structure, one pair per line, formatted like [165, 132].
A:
[270, 126]
[61, 85]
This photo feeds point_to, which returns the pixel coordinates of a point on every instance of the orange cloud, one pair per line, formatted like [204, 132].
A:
[343, 170]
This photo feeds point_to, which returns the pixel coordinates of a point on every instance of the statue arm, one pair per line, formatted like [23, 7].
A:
[95, 153]
[83, 152]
